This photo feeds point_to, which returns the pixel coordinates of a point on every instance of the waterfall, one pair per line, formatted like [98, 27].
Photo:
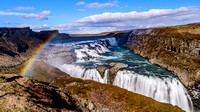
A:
[162, 90]
[93, 50]
[159, 86]
[83, 73]
[166, 91]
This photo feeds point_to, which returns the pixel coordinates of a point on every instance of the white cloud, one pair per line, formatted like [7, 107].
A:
[35, 27]
[39, 16]
[122, 21]
[131, 20]
[22, 8]
[98, 5]
[6, 22]
[142, 19]
[80, 3]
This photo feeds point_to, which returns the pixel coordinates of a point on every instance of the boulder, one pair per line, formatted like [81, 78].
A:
[113, 71]
[118, 65]
[115, 67]
[101, 70]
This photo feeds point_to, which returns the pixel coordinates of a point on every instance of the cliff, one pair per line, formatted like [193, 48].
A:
[43, 35]
[174, 48]
[18, 44]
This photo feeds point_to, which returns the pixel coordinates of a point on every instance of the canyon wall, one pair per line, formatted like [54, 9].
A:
[175, 48]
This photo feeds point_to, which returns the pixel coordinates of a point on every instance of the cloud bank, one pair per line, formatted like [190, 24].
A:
[151, 17]
[121, 21]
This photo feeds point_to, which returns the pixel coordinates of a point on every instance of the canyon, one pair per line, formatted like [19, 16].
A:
[108, 58]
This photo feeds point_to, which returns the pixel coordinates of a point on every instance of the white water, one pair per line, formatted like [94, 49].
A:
[83, 73]
[83, 51]
[167, 90]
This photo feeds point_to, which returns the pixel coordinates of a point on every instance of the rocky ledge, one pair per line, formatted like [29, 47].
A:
[114, 68]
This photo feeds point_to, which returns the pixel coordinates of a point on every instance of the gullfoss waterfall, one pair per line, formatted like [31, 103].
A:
[141, 76]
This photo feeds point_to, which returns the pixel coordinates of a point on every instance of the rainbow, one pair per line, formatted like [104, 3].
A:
[31, 61]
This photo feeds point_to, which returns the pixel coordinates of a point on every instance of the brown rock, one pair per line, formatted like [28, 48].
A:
[101, 70]
[113, 71]
[22, 94]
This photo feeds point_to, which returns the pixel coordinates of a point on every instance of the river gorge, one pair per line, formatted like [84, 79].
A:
[139, 76]
[160, 63]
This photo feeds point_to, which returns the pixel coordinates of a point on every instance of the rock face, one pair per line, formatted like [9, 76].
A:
[174, 48]
[43, 35]
[61, 36]
[16, 40]
[115, 67]
[15, 44]
[18, 44]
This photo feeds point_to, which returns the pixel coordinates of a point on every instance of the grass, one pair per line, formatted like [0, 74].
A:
[189, 31]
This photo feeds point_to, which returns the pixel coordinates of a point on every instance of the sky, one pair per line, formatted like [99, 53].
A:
[95, 16]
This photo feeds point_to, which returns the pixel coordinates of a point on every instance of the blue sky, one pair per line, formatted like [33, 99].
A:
[92, 16]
